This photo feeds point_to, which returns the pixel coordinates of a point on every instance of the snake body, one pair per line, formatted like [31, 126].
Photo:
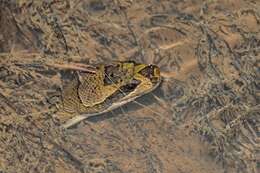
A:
[109, 87]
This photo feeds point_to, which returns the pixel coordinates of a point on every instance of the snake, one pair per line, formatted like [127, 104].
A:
[105, 88]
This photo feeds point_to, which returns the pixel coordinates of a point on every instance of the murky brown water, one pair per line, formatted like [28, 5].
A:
[202, 118]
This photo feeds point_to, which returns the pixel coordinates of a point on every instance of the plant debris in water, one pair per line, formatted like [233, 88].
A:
[203, 118]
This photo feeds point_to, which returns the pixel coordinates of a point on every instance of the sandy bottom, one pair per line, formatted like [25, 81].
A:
[203, 118]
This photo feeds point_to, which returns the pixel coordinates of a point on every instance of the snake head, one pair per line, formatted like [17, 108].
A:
[151, 72]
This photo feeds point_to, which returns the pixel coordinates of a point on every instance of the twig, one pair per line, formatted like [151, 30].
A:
[74, 66]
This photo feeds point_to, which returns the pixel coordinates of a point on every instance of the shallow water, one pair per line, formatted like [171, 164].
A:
[202, 118]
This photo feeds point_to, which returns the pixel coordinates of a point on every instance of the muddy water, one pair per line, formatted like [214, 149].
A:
[202, 118]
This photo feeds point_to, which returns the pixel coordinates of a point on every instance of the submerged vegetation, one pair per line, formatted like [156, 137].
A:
[204, 117]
